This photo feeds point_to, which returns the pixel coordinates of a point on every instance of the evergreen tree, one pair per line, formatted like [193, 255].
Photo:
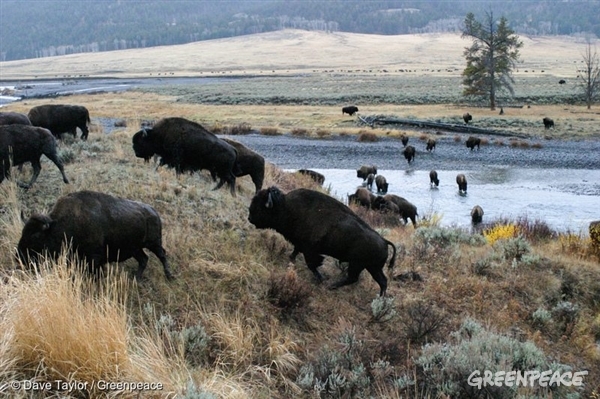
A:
[589, 77]
[490, 58]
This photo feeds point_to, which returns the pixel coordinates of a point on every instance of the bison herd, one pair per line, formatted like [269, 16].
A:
[101, 228]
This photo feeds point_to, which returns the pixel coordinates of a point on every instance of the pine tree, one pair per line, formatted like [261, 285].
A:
[490, 58]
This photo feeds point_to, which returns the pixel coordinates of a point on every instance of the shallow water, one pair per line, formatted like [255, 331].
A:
[566, 199]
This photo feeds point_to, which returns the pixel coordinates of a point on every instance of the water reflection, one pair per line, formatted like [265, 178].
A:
[566, 199]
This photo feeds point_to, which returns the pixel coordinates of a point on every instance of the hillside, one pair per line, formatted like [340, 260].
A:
[60, 27]
[298, 51]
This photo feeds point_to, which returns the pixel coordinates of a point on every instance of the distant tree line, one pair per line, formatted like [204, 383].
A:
[58, 27]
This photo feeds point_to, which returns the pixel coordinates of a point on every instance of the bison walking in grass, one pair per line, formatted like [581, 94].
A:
[350, 110]
[403, 207]
[467, 117]
[548, 123]
[188, 147]
[97, 227]
[22, 143]
[61, 118]
[362, 197]
[319, 225]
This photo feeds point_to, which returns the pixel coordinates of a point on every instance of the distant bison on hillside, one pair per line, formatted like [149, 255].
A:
[319, 225]
[22, 143]
[548, 123]
[188, 147]
[467, 117]
[61, 118]
[350, 110]
[14, 118]
[99, 228]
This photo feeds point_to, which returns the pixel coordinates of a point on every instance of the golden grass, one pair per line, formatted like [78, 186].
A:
[294, 51]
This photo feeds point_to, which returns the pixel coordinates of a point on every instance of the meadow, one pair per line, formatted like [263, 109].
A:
[242, 321]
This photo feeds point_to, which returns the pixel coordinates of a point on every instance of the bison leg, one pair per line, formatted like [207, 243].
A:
[54, 158]
[37, 167]
[379, 276]
[351, 278]
[230, 180]
[84, 132]
[313, 261]
[160, 253]
[142, 259]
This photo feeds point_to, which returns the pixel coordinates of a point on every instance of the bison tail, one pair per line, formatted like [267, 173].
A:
[393, 259]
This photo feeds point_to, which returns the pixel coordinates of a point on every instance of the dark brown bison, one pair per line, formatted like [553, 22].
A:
[22, 143]
[381, 183]
[99, 228]
[473, 142]
[364, 171]
[594, 229]
[362, 197]
[433, 178]
[476, 214]
[318, 225]
[14, 118]
[188, 147]
[467, 117]
[404, 208]
[562, 82]
[409, 153]
[404, 140]
[461, 180]
[430, 144]
[350, 110]
[316, 176]
[248, 163]
[370, 180]
[61, 118]
[548, 123]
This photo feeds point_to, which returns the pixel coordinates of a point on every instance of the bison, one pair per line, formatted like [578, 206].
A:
[467, 117]
[461, 180]
[318, 225]
[548, 123]
[61, 118]
[381, 183]
[188, 147]
[14, 118]
[403, 207]
[370, 180]
[476, 214]
[315, 176]
[433, 178]
[364, 171]
[362, 197]
[99, 228]
[404, 140]
[430, 144]
[249, 163]
[22, 143]
[350, 110]
[409, 153]
[472, 142]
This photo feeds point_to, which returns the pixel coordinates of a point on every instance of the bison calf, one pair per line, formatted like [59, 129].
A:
[382, 184]
[317, 225]
[99, 228]
[22, 143]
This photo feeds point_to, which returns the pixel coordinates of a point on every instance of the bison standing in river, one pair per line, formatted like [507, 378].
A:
[364, 171]
[473, 142]
[188, 147]
[461, 180]
[318, 225]
[22, 143]
[476, 214]
[382, 184]
[433, 178]
[61, 118]
[99, 228]
[14, 118]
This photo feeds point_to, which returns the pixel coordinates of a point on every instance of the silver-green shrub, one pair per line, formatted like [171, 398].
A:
[383, 308]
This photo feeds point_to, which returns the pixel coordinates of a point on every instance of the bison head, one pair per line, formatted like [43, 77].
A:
[34, 238]
[265, 208]
[142, 146]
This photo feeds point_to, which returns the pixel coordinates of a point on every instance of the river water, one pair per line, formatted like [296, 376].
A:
[558, 183]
